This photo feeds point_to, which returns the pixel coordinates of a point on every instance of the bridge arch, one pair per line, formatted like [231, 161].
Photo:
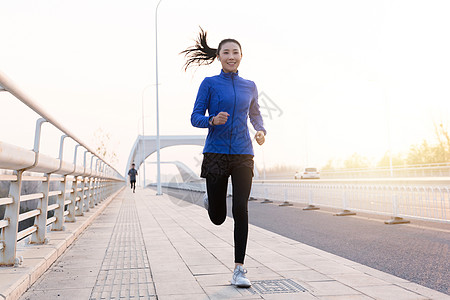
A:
[144, 146]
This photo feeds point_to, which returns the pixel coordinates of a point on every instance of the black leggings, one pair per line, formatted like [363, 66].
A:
[133, 184]
[216, 185]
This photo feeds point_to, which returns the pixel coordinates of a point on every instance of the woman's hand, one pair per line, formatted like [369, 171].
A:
[259, 137]
[221, 118]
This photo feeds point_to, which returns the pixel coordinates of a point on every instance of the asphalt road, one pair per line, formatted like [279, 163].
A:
[418, 252]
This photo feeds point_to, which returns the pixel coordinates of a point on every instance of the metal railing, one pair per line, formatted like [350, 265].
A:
[423, 170]
[396, 201]
[402, 171]
[65, 190]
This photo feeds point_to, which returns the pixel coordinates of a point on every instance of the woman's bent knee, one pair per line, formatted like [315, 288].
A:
[217, 221]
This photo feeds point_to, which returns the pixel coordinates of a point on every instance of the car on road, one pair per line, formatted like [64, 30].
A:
[308, 173]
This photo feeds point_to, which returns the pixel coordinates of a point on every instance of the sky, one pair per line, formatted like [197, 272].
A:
[335, 77]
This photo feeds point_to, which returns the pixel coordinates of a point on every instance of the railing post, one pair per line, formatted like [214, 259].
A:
[80, 210]
[91, 186]
[91, 192]
[86, 180]
[59, 212]
[100, 190]
[9, 233]
[101, 183]
[84, 196]
[107, 188]
[286, 202]
[58, 225]
[395, 219]
[103, 193]
[97, 190]
[266, 196]
[94, 191]
[345, 211]
[443, 209]
[40, 221]
[71, 208]
[310, 206]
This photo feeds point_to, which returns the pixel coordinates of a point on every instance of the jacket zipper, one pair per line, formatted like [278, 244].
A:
[232, 117]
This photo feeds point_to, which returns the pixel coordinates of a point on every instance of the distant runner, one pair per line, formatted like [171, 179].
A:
[132, 173]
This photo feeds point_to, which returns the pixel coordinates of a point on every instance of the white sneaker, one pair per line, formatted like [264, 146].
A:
[239, 278]
[205, 201]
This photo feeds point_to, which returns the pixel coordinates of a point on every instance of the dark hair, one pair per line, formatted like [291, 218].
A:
[201, 54]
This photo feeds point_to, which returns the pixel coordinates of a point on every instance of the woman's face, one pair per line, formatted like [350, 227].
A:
[230, 57]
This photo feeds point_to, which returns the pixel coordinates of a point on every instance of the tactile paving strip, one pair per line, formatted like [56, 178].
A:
[125, 272]
[278, 286]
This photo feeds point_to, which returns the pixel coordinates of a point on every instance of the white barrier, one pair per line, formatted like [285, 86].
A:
[398, 202]
[76, 186]
[419, 202]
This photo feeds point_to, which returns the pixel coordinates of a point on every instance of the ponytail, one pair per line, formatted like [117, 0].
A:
[201, 54]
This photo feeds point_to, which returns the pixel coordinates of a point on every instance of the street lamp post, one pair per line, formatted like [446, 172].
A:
[388, 116]
[388, 124]
[143, 134]
[158, 169]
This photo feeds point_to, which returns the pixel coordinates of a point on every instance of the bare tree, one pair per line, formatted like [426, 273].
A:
[443, 137]
[427, 153]
[397, 160]
[356, 161]
[104, 147]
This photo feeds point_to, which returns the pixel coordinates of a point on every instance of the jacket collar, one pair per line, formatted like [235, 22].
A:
[229, 75]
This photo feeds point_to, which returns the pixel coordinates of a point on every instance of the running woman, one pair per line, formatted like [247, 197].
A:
[229, 100]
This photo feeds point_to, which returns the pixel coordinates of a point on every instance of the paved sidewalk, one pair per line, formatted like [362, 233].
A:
[154, 247]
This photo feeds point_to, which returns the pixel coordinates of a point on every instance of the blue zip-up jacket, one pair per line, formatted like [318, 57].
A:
[239, 98]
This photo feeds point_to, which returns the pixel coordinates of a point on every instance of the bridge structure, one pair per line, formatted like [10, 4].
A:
[144, 146]
[135, 244]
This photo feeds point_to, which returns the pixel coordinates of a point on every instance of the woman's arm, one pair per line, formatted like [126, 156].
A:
[255, 114]
[198, 118]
